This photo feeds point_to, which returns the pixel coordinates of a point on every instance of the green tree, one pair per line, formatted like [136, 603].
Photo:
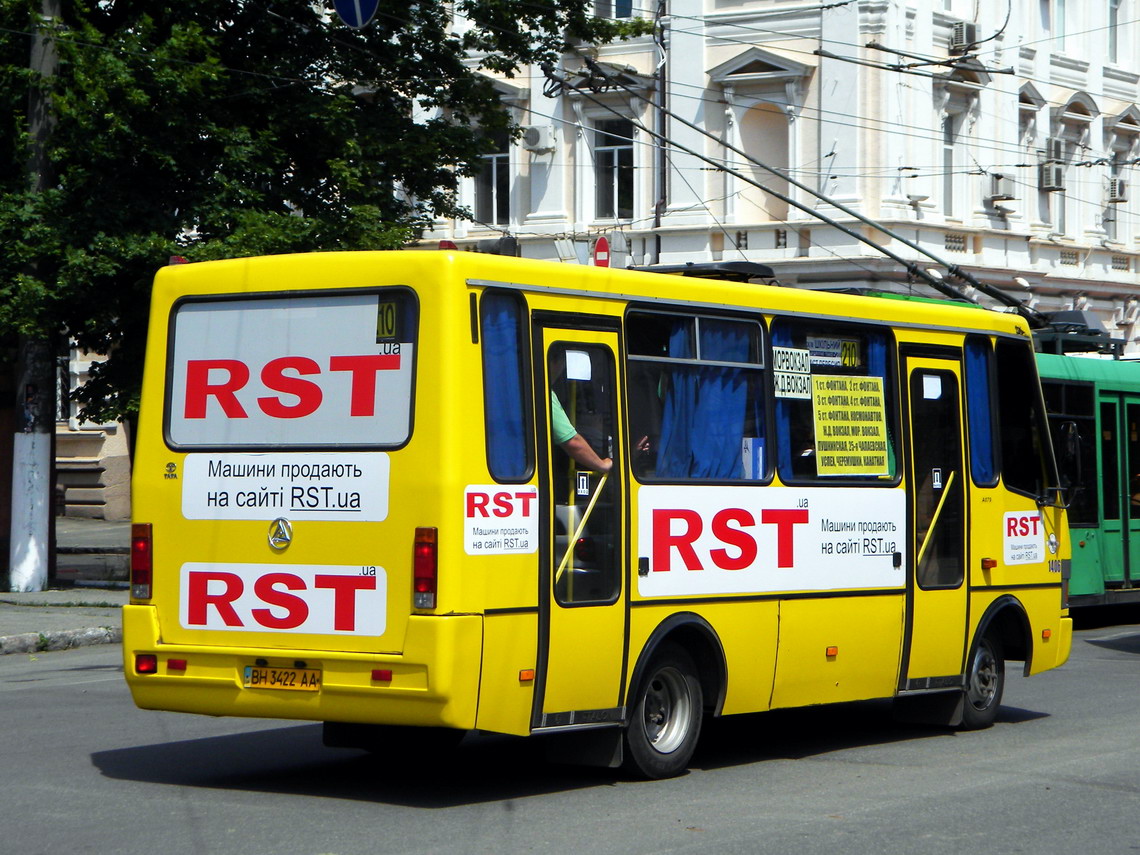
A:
[222, 128]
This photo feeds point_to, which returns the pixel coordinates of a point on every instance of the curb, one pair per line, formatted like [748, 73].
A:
[40, 642]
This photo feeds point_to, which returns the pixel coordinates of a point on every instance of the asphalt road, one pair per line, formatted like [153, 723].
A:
[84, 771]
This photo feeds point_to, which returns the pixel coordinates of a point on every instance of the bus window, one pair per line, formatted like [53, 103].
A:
[939, 494]
[980, 414]
[1110, 460]
[509, 446]
[1073, 404]
[834, 387]
[273, 372]
[1025, 459]
[695, 397]
[586, 506]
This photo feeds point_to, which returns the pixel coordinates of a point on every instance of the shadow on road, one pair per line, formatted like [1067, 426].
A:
[1122, 644]
[799, 734]
[293, 760]
[487, 768]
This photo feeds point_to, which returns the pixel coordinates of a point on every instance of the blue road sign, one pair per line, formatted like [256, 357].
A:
[356, 13]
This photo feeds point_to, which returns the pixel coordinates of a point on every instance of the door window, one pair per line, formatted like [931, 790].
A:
[939, 488]
[1109, 461]
[586, 507]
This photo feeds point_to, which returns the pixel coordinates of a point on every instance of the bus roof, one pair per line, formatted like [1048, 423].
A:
[310, 271]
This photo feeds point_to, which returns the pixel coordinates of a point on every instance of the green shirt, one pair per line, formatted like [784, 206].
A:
[560, 427]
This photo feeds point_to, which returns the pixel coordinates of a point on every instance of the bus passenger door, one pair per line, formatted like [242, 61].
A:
[1120, 464]
[1115, 491]
[936, 590]
[582, 602]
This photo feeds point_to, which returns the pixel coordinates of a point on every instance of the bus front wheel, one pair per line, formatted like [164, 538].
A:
[666, 718]
[985, 682]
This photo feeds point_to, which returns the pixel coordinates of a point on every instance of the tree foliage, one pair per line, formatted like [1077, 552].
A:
[222, 128]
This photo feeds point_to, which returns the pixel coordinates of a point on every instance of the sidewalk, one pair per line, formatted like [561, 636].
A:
[91, 573]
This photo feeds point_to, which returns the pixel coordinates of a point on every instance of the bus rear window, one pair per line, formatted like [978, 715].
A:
[297, 371]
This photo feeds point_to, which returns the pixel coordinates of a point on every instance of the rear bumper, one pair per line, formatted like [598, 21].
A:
[435, 681]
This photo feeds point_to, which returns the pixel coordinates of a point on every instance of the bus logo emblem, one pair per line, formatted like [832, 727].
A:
[280, 534]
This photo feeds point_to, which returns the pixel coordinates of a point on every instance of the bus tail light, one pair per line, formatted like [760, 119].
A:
[142, 561]
[425, 567]
[146, 663]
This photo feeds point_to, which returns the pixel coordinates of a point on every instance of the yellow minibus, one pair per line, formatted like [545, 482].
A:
[412, 494]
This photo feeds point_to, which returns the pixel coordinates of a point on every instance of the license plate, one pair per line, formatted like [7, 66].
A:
[290, 679]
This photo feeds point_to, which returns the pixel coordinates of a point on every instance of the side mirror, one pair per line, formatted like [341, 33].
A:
[1070, 448]
[1068, 451]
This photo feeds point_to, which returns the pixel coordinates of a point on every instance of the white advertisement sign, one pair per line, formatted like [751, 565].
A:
[308, 598]
[308, 485]
[305, 370]
[1024, 537]
[745, 540]
[499, 520]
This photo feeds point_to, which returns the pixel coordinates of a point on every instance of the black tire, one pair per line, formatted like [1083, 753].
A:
[666, 716]
[985, 683]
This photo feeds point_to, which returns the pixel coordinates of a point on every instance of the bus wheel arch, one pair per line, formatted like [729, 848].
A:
[694, 634]
[1002, 633]
[680, 671]
[1006, 620]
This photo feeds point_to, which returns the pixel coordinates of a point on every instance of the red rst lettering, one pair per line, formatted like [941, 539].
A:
[297, 609]
[664, 539]
[199, 388]
[1011, 527]
[199, 598]
[526, 499]
[344, 603]
[784, 520]
[307, 392]
[477, 502]
[364, 370]
[733, 537]
[503, 506]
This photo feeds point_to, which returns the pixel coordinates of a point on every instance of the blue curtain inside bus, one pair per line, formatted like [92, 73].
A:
[705, 406]
[979, 413]
[507, 456]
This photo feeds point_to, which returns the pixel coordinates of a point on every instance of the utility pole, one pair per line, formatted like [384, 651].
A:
[32, 463]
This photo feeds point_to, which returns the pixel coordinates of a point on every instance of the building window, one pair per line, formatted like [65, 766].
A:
[493, 185]
[950, 127]
[614, 8]
[613, 169]
[1113, 30]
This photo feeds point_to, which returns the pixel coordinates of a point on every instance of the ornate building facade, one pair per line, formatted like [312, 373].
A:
[1002, 139]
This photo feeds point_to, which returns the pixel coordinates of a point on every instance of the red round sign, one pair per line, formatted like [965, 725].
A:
[601, 252]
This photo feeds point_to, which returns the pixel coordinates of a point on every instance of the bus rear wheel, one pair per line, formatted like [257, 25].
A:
[985, 682]
[667, 713]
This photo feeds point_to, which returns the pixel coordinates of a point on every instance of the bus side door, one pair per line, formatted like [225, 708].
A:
[582, 601]
[936, 589]
[1120, 486]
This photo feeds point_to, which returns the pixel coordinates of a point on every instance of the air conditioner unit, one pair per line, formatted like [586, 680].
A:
[1055, 149]
[1001, 188]
[1050, 177]
[1117, 190]
[963, 36]
[539, 138]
